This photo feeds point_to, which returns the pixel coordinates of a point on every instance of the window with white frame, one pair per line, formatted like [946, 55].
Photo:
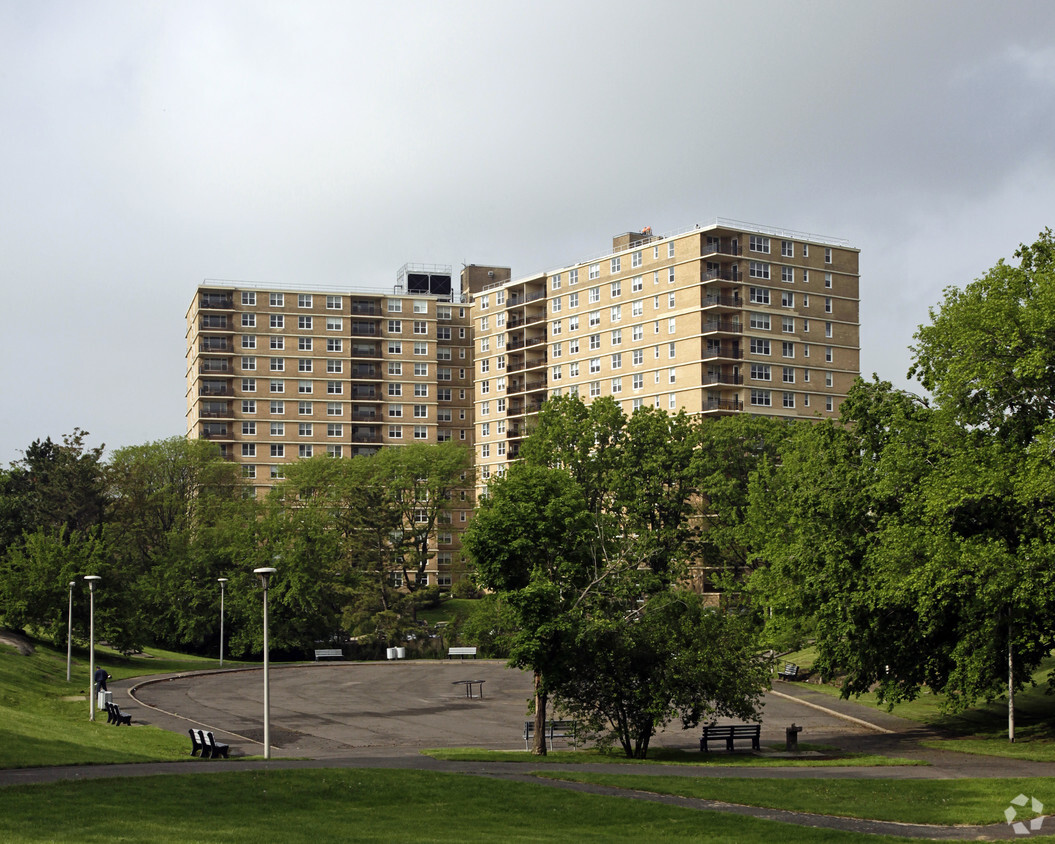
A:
[248, 320]
[757, 269]
[595, 271]
[617, 337]
[827, 255]
[758, 243]
[249, 406]
[759, 346]
[759, 321]
[787, 274]
[304, 408]
[248, 297]
[334, 408]
[789, 374]
[787, 325]
[761, 398]
[828, 355]
[334, 388]
[617, 289]
[554, 282]
[334, 324]
[595, 318]
[278, 385]
[758, 295]
[635, 259]
[617, 360]
[334, 303]
[616, 264]
[787, 249]
[760, 372]
[573, 277]
[787, 299]
[277, 321]
[249, 341]
[276, 300]
[594, 295]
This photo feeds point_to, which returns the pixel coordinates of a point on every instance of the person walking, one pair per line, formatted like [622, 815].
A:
[100, 679]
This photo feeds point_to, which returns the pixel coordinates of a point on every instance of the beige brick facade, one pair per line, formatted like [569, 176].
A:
[719, 319]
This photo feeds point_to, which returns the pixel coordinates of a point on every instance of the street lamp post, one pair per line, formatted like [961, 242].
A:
[69, 634]
[222, 581]
[265, 578]
[91, 578]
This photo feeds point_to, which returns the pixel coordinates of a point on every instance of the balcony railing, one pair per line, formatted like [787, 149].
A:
[364, 329]
[366, 308]
[364, 372]
[214, 390]
[727, 301]
[215, 302]
[363, 351]
[214, 344]
[212, 365]
[734, 354]
[721, 246]
[723, 404]
[716, 378]
[720, 275]
[728, 326]
[364, 437]
[215, 414]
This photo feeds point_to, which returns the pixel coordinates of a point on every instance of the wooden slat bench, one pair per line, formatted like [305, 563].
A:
[729, 733]
[209, 747]
[324, 653]
[789, 672]
[116, 716]
[461, 653]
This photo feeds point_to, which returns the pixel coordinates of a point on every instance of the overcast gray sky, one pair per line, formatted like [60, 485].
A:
[146, 146]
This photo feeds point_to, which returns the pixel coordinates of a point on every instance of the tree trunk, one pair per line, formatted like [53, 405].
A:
[1010, 687]
[539, 747]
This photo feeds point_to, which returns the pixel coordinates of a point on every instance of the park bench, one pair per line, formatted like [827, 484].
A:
[116, 716]
[321, 653]
[196, 746]
[731, 732]
[209, 746]
[789, 672]
[554, 729]
[461, 653]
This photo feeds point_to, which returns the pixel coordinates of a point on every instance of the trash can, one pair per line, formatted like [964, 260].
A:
[391, 653]
[791, 738]
[401, 653]
[104, 698]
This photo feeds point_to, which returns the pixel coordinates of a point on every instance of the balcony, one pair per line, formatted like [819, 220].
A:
[213, 323]
[721, 378]
[512, 345]
[365, 329]
[214, 365]
[727, 326]
[215, 410]
[215, 301]
[363, 392]
[212, 431]
[714, 299]
[364, 370]
[214, 389]
[711, 405]
[215, 344]
[365, 350]
[729, 274]
[366, 435]
[366, 416]
[721, 246]
[366, 308]
[515, 300]
[722, 352]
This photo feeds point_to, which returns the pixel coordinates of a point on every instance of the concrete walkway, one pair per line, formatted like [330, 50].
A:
[380, 715]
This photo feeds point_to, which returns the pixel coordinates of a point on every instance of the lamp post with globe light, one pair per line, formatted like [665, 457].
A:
[69, 634]
[265, 579]
[222, 581]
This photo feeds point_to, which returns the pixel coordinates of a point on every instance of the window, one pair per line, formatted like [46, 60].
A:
[759, 347]
[334, 408]
[670, 350]
[304, 323]
[573, 369]
[617, 289]
[595, 271]
[248, 320]
[249, 341]
[304, 386]
[249, 364]
[333, 345]
[554, 282]
[395, 347]
[333, 303]
[304, 450]
[789, 374]
[304, 429]
[637, 332]
[248, 385]
[304, 364]
[828, 379]
[756, 269]
[395, 411]
[787, 249]
[443, 373]
[573, 300]
[248, 298]
[828, 354]
[395, 306]
[617, 360]
[555, 305]
[594, 295]
[595, 389]
[616, 264]
[670, 275]
[421, 432]
[827, 255]
[333, 366]
[595, 365]
[638, 381]
[761, 398]
[617, 385]
[827, 304]
[672, 376]
[595, 341]
[617, 337]
[637, 308]
[787, 325]
[304, 344]
[758, 295]
[789, 400]
[759, 321]
[395, 389]
[277, 321]
[805, 250]
[787, 274]
[395, 326]
[278, 364]
[829, 405]
[304, 408]
[276, 300]
[334, 388]
[805, 276]
[788, 350]
[595, 318]
[278, 450]
[421, 306]
[556, 374]
[278, 343]
[557, 350]
[828, 330]
[278, 408]
[828, 280]
[421, 411]
[805, 350]
[758, 243]
[787, 299]
[248, 449]
[334, 323]
[638, 357]
[423, 349]
[670, 249]
[421, 390]
[805, 300]
[249, 429]
[760, 372]
[249, 406]
[806, 376]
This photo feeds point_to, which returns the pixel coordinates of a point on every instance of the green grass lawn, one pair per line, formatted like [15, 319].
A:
[361, 805]
[944, 802]
[981, 729]
[663, 756]
[44, 719]
[451, 610]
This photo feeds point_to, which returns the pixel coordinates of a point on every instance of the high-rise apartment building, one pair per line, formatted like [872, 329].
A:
[719, 319]
[275, 375]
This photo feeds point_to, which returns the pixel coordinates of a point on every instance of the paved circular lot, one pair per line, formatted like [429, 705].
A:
[339, 709]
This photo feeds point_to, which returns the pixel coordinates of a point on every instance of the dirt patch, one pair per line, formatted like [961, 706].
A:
[16, 640]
